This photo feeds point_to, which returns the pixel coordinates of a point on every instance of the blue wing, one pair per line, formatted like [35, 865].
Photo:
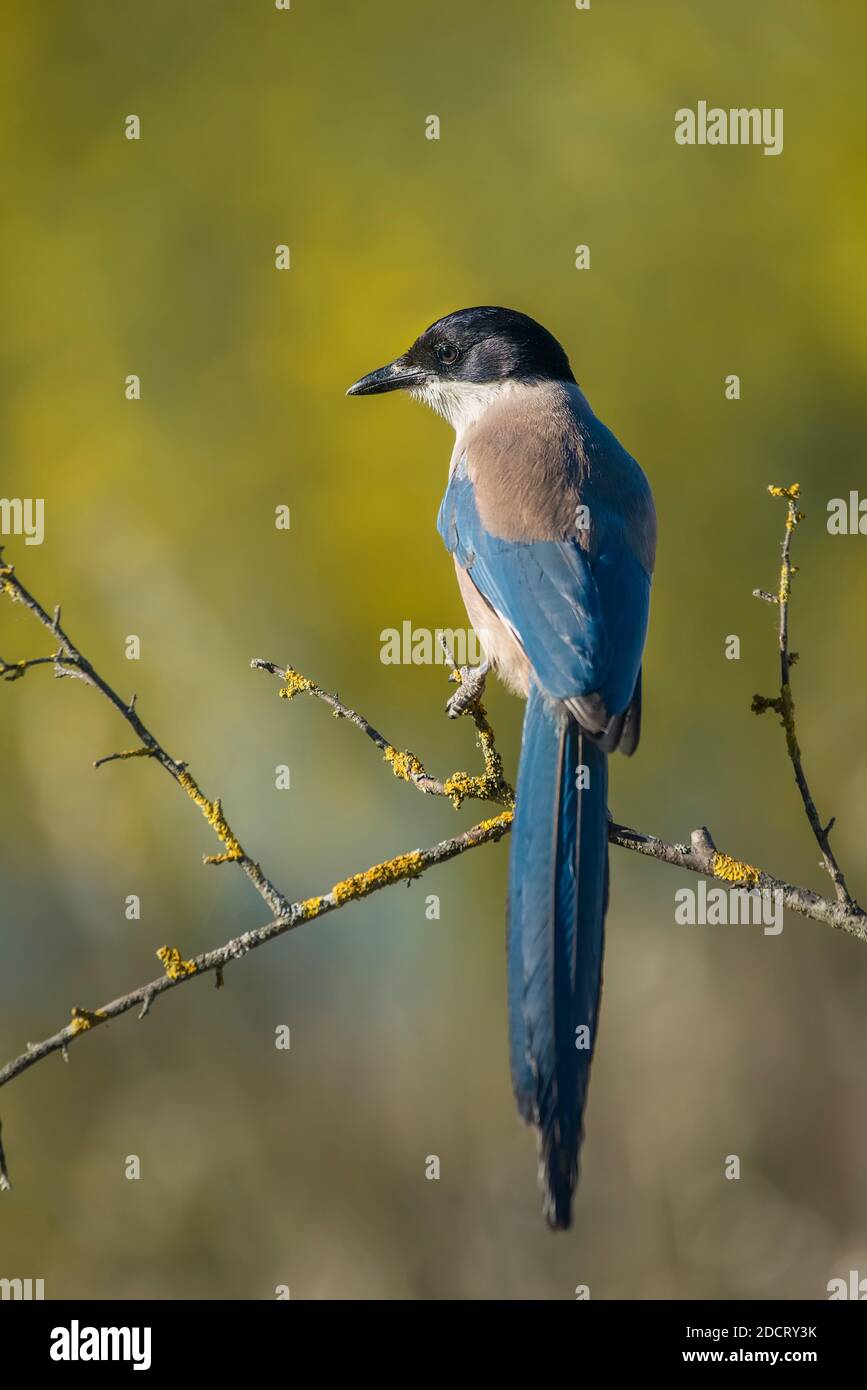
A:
[582, 623]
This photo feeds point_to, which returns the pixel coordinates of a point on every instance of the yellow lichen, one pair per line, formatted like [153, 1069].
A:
[174, 964]
[295, 684]
[405, 765]
[213, 813]
[403, 866]
[6, 587]
[143, 752]
[791, 493]
[82, 1019]
[489, 785]
[311, 907]
[733, 871]
[500, 822]
[461, 785]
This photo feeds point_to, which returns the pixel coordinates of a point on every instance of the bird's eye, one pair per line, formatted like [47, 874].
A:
[447, 353]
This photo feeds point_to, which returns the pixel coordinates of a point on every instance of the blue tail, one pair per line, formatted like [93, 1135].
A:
[558, 894]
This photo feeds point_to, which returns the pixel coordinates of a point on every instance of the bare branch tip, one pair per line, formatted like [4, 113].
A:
[146, 1003]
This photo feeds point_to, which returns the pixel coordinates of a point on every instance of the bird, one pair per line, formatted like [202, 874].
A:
[552, 528]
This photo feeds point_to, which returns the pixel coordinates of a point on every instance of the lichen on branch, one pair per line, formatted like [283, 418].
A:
[700, 856]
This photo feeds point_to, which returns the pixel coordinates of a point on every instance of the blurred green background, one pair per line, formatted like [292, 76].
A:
[262, 1167]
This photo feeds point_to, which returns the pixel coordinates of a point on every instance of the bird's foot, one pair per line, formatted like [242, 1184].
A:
[469, 691]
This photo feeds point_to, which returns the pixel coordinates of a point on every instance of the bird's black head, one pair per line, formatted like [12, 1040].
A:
[459, 356]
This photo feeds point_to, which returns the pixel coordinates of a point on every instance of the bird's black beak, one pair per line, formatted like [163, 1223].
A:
[395, 377]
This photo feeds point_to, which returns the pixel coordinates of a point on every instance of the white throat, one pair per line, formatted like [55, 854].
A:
[462, 403]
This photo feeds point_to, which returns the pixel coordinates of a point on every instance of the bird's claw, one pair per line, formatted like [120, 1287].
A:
[469, 692]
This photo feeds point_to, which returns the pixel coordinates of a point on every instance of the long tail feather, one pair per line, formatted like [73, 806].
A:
[558, 889]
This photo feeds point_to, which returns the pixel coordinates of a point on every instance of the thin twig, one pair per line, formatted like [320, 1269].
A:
[699, 857]
[69, 661]
[489, 785]
[399, 869]
[14, 670]
[5, 1184]
[784, 704]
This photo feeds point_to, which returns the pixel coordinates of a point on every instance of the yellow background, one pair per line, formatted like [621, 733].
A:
[260, 127]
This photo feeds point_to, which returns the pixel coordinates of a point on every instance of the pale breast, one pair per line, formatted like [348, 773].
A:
[498, 642]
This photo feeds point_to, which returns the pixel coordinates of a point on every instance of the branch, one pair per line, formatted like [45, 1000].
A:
[400, 869]
[490, 785]
[5, 1184]
[700, 856]
[69, 661]
[783, 703]
[14, 670]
